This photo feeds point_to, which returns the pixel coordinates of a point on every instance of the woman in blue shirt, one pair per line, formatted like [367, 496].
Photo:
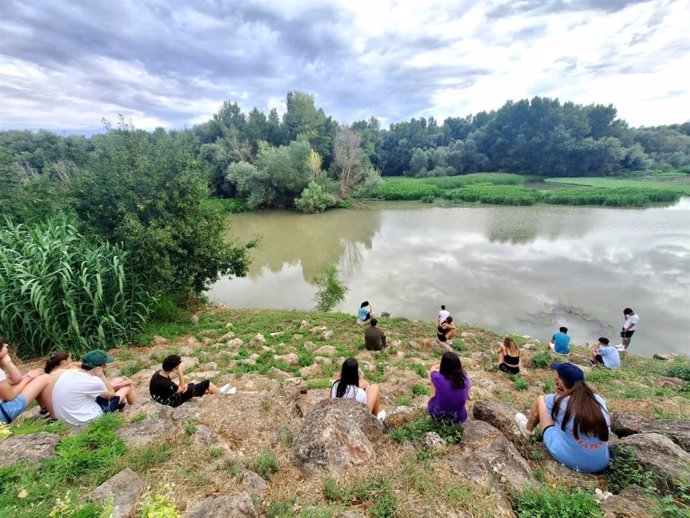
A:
[574, 421]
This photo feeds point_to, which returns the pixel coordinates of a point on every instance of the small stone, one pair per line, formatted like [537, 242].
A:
[158, 340]
[195, 320]
[467, 334]
[297, 336]
[323, 360]
[254, 483]
[293, 387]
[326, 350]
[227, 336]
[277, 373]
[229, 324]
[235, 342]
[327, 335]
[385, 314]
[290, 358]
[239, 506]
[259, 338]
[278, 333]
[189, 362]
[396, 344]
[664, 356]
[309, 345]
[192, 342]
[124, 490]
[304, 325]
[311, 371]
[430, 441]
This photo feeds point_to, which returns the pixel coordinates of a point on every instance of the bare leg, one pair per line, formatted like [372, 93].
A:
[450, 334]
[40, 389]
[373, 398]
[127, 394]
[539, 414]
[212, 389]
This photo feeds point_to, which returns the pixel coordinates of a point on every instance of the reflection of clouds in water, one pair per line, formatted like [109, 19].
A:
[409, 262]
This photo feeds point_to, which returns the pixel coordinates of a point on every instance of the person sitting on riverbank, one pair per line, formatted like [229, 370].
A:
[509, 356]
[606, 355]
[84, 394]
[628, 330]
[574, 421]
[165, 391]
[560, 342]
[352, 386]
[374, 337]
[450, 387]
[446, 330]
[18, 391]
[443, 314]
[365, 312]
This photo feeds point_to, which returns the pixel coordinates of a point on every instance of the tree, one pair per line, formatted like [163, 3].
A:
[315, 199]
[347, 159]
[146, 191]
[330, 291]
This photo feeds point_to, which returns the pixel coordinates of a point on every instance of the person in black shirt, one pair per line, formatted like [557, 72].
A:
[165, 391]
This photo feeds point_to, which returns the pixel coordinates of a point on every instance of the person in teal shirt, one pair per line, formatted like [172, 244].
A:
[560, 342]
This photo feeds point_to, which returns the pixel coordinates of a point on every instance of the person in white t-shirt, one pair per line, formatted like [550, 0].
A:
[352, 386]
[443, 314]
[82, 395]
[17, 391]
[631, 319]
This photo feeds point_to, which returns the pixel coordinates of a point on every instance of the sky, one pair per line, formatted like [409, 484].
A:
[66, 65]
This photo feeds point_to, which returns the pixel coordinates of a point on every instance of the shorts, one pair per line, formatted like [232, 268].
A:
[109, 406]
[193, 390]
[599, 359]
[627, 334]
[10, 410]
[441, 337]
[509, 368]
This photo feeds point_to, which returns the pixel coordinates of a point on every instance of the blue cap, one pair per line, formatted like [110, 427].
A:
[569, 373]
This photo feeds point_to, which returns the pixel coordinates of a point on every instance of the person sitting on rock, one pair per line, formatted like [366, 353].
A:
[374, 337]
[574, 421]
[560, 342]
[606, 355]
[365, 312]
[446, 330]
[352, 386]
[450, 387]
[166, 392]
[84, 394]
[17, 391]
[509, 356]
[58, 363]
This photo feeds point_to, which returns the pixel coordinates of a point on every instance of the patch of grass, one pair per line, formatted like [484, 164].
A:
[380, 495]
[139, 417]
[546, 502]
[419, 369]
[420, 390]
[281, 509]
[377, 375]
[30, 425]
[541, 360]
[402, 400]
[131, 369]
[265, 465]
[189, 427]
[404, 189]
[679, 183]
[625, 470]
[227, 205]
[454, 182]
[146, 457]
[520, 383]
[496, 195]
[318, 384]
[332, 491]
[451, 432]
[679, 371]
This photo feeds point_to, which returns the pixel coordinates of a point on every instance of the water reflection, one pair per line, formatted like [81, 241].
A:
[521, 269]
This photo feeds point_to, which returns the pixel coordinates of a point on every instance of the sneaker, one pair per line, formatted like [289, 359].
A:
[228, 390]
[450, 342]
[381, 416]
[521, 421]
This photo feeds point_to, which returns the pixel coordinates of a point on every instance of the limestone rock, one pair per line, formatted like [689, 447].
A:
[336, 434]
[227, 336]
[238, 506]
[488, 457]
[32, 447]
[467, 334]
[279, 374]
[192, 342]
[660, 455]
[254, 483]
[293, 387]
[304, 325]
[235, 342]
[289, 358]
[327, 334]
[259, 338]
[670, 383]
[402, 415]
[158, 340]
[664, 356]
[326, 350]
[430, 441]
[678, 430]
[190, 410]
[124, 489]
[311, 371]
[630, 503]
[322, 360]
[297, 336]
[189, 362]
[497, 414]
[277, 333]
[151, 430]
[309, 346]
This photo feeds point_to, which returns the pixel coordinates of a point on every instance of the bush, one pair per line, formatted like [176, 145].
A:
[330, 291]
[315, 199]
[266, 465]
[556, 503]
[521, 383]
[496, 194]
[405, 189]
[679, 371]
[541, 360]
[625, 470]
[60, 291]
[613, 197]
[451, 432]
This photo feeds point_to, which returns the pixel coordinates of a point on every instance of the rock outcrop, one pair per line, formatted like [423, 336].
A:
[678, 430]
[238, 506]
[497, 414]
[336, 434]
[32, 447]
[124, 490]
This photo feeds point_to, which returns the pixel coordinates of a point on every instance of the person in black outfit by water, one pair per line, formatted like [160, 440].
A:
[509, 357]
[165, 391]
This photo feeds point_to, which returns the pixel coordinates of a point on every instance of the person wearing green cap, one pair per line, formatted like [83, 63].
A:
[82, 395]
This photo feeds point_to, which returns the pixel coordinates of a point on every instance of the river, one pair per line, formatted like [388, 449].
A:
[525, 270]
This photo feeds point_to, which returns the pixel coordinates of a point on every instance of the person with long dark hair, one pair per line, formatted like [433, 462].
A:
[574, 421]
[353, 386]
[450, 387]
[446, 330]
[509, 357]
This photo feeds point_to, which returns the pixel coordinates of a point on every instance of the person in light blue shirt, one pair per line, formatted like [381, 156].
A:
[606, 355]
[365, 312]
[560, 342]
[575, 421]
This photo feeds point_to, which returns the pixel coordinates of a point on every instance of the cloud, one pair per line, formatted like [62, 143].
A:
[69, 64]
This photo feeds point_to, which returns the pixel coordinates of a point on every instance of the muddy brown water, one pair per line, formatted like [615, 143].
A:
[519, 269]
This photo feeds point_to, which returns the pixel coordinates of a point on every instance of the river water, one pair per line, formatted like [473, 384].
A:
[525, 270]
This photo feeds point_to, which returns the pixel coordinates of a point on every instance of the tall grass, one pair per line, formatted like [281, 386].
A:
[60, 291]
[405, 189]
[453, 182]
[496, 194]
[620, 197]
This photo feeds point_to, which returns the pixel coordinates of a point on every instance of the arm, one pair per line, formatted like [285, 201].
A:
[182, 386]
[501, 354]
[9, 391]
[109, 390]
[432, 393]
[14, 376]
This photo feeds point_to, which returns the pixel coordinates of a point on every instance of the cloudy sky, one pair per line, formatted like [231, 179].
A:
[68, 64]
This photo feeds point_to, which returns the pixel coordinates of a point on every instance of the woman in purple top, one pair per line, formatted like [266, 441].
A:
[450, 387]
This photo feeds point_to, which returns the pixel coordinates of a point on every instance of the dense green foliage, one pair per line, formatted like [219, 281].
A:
[453, 182]
[400, 189]
[61, 291]
[146, 191]
[546, 502]
[315, 199]
[496, 194]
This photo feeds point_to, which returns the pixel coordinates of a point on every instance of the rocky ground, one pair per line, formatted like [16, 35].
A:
[276, 448]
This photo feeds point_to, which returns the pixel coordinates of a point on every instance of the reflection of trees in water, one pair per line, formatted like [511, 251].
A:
[523, 225]
[310, 240]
